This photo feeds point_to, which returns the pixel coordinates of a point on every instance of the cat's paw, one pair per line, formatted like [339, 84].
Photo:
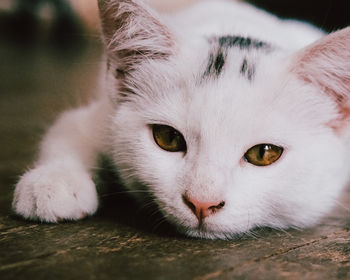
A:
[55, 192]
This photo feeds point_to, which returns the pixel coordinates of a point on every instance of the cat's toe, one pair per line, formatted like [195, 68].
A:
[55, 193]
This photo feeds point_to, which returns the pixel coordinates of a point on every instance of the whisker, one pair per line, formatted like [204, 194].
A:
[124, 192]
[285, 232]
[161, 221]
[155, 212]
[252, 234]
[342, 205]
[145, 208]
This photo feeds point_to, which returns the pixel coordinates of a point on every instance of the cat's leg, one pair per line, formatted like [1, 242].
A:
[60, 186]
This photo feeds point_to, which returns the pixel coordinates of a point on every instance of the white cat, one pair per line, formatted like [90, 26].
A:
[232, 119]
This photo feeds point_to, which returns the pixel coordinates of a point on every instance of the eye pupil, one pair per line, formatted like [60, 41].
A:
[262, 151]
[263, 154]
[168, 138]
[173, 134]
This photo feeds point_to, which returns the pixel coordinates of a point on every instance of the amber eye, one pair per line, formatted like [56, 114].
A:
[263, 154]
[168, 138]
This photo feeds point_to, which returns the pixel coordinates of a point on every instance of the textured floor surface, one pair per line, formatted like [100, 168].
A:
[122, 241]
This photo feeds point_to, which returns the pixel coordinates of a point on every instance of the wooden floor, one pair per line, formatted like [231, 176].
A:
[122, 241]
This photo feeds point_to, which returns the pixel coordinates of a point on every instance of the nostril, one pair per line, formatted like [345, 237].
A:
[189, 203]
[217, 207]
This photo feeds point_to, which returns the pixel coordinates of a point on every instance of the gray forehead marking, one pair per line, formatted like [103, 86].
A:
[247, 69]
[221, 45]
[215, 64]
[244, 43]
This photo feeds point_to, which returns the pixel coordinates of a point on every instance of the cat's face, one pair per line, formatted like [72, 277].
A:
[227, 139]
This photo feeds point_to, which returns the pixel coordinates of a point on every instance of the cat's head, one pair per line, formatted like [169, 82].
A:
[227, 133]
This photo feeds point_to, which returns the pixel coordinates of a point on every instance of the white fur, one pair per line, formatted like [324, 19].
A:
[60, 186]
[220, 119]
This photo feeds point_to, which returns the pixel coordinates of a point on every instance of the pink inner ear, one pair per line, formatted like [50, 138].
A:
[132, 34]
[326, 64]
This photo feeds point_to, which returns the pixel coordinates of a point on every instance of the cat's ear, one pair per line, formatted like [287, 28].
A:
[132, 34]
[326, 64]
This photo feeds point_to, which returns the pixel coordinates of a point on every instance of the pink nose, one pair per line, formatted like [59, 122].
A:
[202, 209]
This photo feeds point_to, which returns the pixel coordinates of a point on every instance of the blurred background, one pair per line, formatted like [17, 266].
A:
[76, 19]
[50, 52]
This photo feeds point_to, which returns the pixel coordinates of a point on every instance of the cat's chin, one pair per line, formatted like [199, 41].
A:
[204, 233]
[206, 230]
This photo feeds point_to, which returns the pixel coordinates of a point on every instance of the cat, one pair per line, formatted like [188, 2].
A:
[231, 118]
